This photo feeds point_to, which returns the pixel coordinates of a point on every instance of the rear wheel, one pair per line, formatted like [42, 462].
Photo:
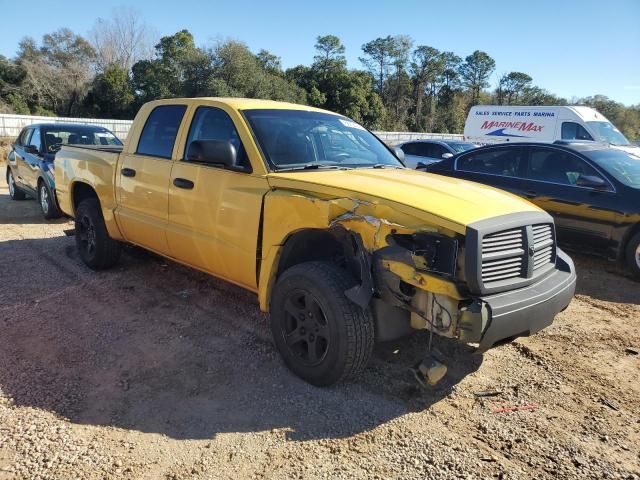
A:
[14, 191]
[97, 249]
[633, 255]
[322, 336]
[47, 202]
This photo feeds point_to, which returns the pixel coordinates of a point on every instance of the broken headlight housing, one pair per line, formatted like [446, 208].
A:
[431, 252]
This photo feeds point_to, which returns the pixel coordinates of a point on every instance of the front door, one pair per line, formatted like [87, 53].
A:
[584, 216]
[214, 214]
[143, 180]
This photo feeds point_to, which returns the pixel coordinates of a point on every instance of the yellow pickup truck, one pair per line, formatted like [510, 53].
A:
[343, 245]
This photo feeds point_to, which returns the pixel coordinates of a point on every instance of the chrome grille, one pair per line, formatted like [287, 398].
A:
[503, 255]
[543, 244]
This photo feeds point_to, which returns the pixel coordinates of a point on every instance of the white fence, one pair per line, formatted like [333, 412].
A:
[10, 125]
[393, 138]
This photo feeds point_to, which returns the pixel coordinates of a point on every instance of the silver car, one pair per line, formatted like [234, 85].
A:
[420, 153]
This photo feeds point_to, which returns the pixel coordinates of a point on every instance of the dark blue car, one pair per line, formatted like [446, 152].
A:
[30, 167]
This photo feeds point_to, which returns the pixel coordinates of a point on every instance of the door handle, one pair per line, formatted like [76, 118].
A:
[531, 194]
[128, 172]
[183, 183]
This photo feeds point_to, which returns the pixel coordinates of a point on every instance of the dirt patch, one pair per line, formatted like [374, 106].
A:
[154, 371]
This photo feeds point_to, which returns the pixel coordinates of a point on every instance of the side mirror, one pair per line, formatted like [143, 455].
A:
[213, 152]
[31, 149]
[591, 181]
[447, 155]
[399, 153]
[421, 166]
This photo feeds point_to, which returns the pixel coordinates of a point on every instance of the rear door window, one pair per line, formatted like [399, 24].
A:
[574, 131]
[23, 139]
[159, 133]
[505, 162]
[35, 140]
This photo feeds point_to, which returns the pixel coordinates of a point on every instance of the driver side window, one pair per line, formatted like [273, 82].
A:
[574, 131]
[555, 166]
[211, 123]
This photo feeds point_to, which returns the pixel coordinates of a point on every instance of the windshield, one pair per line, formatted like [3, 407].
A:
[297, 139]
[622, 166]
[461, 146]
[607, 132]
[55, 137]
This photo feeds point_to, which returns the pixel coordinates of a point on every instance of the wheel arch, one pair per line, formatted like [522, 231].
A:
[335, 245]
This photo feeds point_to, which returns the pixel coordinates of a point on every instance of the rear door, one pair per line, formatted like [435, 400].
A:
[214, 213]
[143, 180]
[584, 216]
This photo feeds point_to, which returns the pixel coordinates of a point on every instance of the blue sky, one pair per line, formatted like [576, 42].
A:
[572, 48]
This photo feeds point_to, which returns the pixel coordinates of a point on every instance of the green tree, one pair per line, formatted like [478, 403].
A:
[378, 56]
[427, 67]
[110, 95]
[475, 72]
[511, 85]
[269, 62]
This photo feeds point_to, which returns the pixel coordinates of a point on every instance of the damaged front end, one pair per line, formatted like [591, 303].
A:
[482, 283]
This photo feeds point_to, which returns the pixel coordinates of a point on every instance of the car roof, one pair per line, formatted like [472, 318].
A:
[242, 104]
[433, 140]
[63, 125]
[575, 146]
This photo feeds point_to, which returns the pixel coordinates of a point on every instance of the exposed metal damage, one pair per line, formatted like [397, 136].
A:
[406, 272]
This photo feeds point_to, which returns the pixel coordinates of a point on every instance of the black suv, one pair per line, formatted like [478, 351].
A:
[591, 189]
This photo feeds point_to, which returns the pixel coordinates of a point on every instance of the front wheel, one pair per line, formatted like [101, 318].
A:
[633, 255]
[322, 336]
[47, 202]
[97, 249]
[15, 193]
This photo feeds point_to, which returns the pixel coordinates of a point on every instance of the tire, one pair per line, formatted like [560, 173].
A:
[97, 249]
[15, 192]
[322, 336]
[633, 256]
[47, 203]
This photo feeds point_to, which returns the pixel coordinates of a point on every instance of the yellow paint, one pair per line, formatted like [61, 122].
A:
[233, 225]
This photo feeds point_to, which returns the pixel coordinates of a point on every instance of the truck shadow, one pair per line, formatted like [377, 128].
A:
[155, 347]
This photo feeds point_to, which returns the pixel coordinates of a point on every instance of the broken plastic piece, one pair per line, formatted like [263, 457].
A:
[430, 371]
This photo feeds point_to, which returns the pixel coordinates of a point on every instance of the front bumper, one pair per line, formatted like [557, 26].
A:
[528, 310]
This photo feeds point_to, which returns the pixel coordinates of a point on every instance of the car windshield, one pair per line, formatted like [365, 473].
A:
[298, 139]
[622, 166]
[461, 146]
[608, 133]
[55, 137]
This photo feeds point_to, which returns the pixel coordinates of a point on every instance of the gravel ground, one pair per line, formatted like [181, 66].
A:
[154, 371]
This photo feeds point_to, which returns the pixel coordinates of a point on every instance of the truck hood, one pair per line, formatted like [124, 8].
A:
[454, 200]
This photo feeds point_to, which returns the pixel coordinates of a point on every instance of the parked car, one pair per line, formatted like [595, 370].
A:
[591, 190]
[342, 244]
[419, 153]
[30, 166]
[521, 123]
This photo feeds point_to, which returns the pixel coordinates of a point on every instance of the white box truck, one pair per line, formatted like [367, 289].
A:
[499, 123]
